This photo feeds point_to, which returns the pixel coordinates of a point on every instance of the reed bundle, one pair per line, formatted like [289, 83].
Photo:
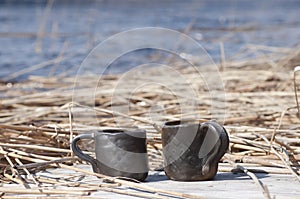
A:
[39, 117]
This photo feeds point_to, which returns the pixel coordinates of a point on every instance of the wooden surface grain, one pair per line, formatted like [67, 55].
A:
[224, 185]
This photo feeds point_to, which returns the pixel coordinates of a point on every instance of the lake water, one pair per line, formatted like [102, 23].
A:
[75, 27]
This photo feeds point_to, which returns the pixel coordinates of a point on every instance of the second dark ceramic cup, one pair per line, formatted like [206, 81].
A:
[192, 150]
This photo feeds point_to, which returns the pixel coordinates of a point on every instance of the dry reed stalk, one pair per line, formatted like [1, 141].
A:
[263, 188]
[257, 160]
[47, 191]
[43, 164]
[246, 147]
[43, 148]
[130, 193]
[49, 197]
[223, 60]
[256, 168]
[27, 172]
[33, 128]
[60, 56]
[71, 129]
[46, 14]
[62, 181]
[281, 158]
[296, 69]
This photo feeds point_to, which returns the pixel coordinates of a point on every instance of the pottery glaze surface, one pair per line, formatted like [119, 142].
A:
[121, 153]
[192, 151]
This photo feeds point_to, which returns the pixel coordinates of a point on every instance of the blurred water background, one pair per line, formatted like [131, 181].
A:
[32, 33]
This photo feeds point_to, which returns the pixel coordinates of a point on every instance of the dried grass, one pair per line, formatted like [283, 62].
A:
[38, 119]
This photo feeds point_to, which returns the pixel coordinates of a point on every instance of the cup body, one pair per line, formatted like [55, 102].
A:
[192, 150]
[121, 153]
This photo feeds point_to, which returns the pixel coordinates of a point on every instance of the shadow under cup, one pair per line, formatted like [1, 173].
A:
[192, 150]
[121, 153]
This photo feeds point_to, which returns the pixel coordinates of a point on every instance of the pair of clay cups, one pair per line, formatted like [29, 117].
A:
[191, 151]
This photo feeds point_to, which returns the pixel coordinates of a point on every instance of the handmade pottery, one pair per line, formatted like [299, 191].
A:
[121, 153]
[192, 150]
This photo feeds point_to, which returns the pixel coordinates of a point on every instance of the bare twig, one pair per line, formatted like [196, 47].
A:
[296, 69]
[263, 188]
[223, 60]
[46, 14]
[281, 158]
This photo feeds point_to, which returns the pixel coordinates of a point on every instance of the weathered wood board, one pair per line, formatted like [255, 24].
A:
[225, 185]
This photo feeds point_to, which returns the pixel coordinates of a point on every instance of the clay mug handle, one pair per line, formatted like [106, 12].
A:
[216, 140]
[80, 154]
[214, 133]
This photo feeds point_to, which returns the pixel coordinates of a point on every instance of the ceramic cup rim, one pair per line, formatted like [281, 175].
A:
[179, 123]
[134, 132]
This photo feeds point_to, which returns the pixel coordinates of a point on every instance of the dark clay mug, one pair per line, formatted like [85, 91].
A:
[119, 153]
[192, 150]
